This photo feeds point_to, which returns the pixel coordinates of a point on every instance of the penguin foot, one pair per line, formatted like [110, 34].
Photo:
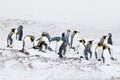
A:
[112, 58]
[99, 59]
[7, 46]
[60, 56]
[81, 56]
[34, 47]
[22, 50]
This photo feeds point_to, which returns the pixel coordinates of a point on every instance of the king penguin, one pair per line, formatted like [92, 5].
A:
[28, 41]
[88, 50]
[10, 39]
[72, 39]
[80, 48]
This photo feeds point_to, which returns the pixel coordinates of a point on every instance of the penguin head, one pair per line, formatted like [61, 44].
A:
[21, 26]
[63, 35]
[13, 30]
[110, 34]
[90, 42]
[68, 31]
[99, 44]
[75, 32]
[32, 38]
[82, 41]
[104, 37]
[44, 33]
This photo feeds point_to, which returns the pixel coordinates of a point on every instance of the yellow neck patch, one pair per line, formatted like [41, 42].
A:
[61, 41]
[106, 45]
[14, 32]
[100, 46]
[81, 43]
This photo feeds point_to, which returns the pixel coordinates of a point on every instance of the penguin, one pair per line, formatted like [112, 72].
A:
[67, 36]
[88, 49]
[62, 48]
[25, 40]
[109, 40]
[72, 37]
[80, 48]
[110, 43]
[100, 54]
[42, 43]
[57, 40]
[47, 35]
[9, 38]
[19, 33]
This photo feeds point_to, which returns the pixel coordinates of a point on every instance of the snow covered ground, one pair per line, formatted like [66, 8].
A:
[47, 66]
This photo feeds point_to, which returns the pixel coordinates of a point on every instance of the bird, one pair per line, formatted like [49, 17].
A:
[88, 49]
[80, 48]
[72, 38]
[9, 38]
[100, 54]
[19, 33]
[26, 40]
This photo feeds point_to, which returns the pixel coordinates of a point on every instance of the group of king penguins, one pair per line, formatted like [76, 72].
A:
[65, 41]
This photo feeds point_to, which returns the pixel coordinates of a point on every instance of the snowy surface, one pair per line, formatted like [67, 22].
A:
[47, 66]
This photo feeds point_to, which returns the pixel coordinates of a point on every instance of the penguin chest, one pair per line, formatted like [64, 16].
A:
[107, 56]
[46, 40]
[81, 50]
[99, 51]
[59, 44]
[75, 41]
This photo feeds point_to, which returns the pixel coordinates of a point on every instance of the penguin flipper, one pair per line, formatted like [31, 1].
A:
[50, 49]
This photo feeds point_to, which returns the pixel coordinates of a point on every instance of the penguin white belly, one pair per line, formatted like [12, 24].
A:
[107, 56]
[46, 40]
[28, 43]
[14, 40]
[36, 42]
[105, 42]
[75, 41]
[99, 53]
[59, 45]
[80, 49]
[54, 45]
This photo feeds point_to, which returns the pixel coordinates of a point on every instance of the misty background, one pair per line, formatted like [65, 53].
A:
[83, 12]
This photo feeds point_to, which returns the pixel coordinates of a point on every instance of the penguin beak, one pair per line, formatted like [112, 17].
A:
[77, 32]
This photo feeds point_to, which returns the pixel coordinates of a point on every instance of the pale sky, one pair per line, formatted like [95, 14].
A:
[88, 12]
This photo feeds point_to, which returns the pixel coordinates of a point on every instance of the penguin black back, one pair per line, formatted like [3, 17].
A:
[110, 39]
